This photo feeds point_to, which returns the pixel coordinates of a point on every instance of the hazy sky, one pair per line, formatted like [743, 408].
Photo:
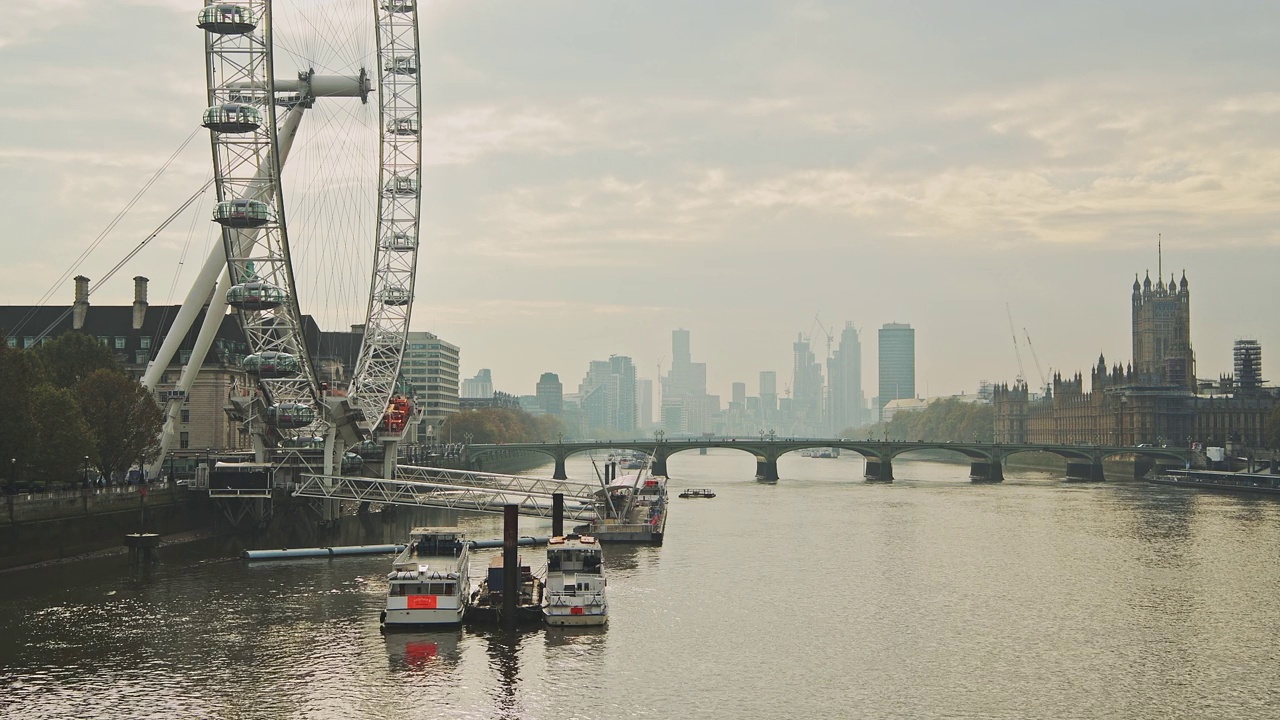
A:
[599, 173]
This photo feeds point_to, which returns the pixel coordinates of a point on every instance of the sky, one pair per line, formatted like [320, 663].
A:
[598, 174]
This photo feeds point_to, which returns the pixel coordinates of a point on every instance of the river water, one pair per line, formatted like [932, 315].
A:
[817, 597]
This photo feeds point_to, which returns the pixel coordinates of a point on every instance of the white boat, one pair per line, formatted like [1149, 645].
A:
[428, 583]
[575, 582]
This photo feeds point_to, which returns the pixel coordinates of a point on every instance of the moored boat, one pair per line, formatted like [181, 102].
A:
[632, 508]
[575, 592]
[428, 583]
[487, 600]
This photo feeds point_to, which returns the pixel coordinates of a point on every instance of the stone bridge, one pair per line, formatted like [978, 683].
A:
[986, 460]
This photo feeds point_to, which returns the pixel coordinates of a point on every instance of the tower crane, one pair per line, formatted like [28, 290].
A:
[1021, 375]
[1044, 381]
[825, 331]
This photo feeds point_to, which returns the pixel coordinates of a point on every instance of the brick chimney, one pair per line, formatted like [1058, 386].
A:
[80, 309]
[139, 301]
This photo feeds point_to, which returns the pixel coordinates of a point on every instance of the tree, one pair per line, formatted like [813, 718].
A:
[74, 356]
[59, 435]
[124, 419]
[20, 374]
[499, 425]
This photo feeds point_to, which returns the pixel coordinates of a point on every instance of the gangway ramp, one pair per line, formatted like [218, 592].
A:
[455, 490]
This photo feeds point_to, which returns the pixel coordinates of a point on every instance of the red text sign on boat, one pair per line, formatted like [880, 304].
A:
[422, 602]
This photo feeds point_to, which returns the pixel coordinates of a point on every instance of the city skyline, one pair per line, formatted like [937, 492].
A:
[572, 184]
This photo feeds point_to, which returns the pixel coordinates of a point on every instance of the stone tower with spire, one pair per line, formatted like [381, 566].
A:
[1162, 353]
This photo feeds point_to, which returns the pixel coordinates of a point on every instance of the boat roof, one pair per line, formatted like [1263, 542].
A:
[572, 542]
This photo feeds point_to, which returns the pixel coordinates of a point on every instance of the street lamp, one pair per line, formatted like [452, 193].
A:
[13, 476]
[86, 471]
[761, 435]
[467, 437]
[560, 438]
[772, 434]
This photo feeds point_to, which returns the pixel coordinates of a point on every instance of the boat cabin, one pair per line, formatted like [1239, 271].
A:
[574, 554]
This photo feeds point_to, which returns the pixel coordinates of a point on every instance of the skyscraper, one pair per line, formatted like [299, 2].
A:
[897, 363]
[550, 394]
[844, 375]
[684, 390]
[768, 394]
[644, 403]
[806, 387]
[625, 416]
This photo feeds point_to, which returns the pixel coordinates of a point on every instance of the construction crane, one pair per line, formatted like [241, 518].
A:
[825, 331]
[1044, 381]
[1014, 334]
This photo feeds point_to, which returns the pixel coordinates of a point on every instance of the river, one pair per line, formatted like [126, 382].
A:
[818, 597]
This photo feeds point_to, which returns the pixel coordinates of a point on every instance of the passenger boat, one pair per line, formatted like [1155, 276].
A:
[428, 583]
[487, 600]
[1240, 482]
[697, 493]
[575, 582]
[632, 508]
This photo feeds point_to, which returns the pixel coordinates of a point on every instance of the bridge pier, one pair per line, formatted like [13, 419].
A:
[767, 469]
[658, 468]
[983, 471]
[559, 473]
[879, 471]
[1085, 471]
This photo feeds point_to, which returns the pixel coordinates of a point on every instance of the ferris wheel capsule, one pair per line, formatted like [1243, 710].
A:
[404, 185]
[401, 64]
[398, 6]
[399, 242]
[255, 296]
[227, 19]
[232, 118]
[394, 295]
[403, 126]
[290, 416]
[241, 213]
[271, 364]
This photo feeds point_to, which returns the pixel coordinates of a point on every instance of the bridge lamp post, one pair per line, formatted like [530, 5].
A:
[86, 471]
[772, 435]
[467, 437]
[13, 477]
[659, 434]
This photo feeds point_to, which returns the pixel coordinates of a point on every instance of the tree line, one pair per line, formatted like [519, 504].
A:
[67, 400]
[947, 420]
[499, 425]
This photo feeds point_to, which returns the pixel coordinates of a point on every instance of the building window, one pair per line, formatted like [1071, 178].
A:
[184, 440]
[104, 340]
[140, 357]
[27, 342]
[13, 342]
[184, 357]
[119, 343]
[186, 415]
[145, 342]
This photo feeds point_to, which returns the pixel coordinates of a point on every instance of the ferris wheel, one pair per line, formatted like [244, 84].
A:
[254, 118]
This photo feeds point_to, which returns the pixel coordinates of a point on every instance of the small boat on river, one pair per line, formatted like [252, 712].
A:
[428, 583]
[575, 582]
[697, 493]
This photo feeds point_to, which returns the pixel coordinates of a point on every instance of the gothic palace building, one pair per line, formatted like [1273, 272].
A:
[1155, 400]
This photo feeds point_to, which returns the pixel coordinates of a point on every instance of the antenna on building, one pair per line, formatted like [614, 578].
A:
[1160, 255]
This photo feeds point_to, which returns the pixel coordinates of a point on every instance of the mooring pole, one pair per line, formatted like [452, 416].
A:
[510, 565]
[557, 514]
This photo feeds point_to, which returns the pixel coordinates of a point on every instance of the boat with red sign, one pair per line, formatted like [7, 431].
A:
[429, 582]
[575, 582]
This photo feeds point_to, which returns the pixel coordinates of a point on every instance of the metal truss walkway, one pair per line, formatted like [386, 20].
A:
[455, 490]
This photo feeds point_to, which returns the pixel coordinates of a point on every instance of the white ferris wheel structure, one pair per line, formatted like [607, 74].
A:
[253, 118]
